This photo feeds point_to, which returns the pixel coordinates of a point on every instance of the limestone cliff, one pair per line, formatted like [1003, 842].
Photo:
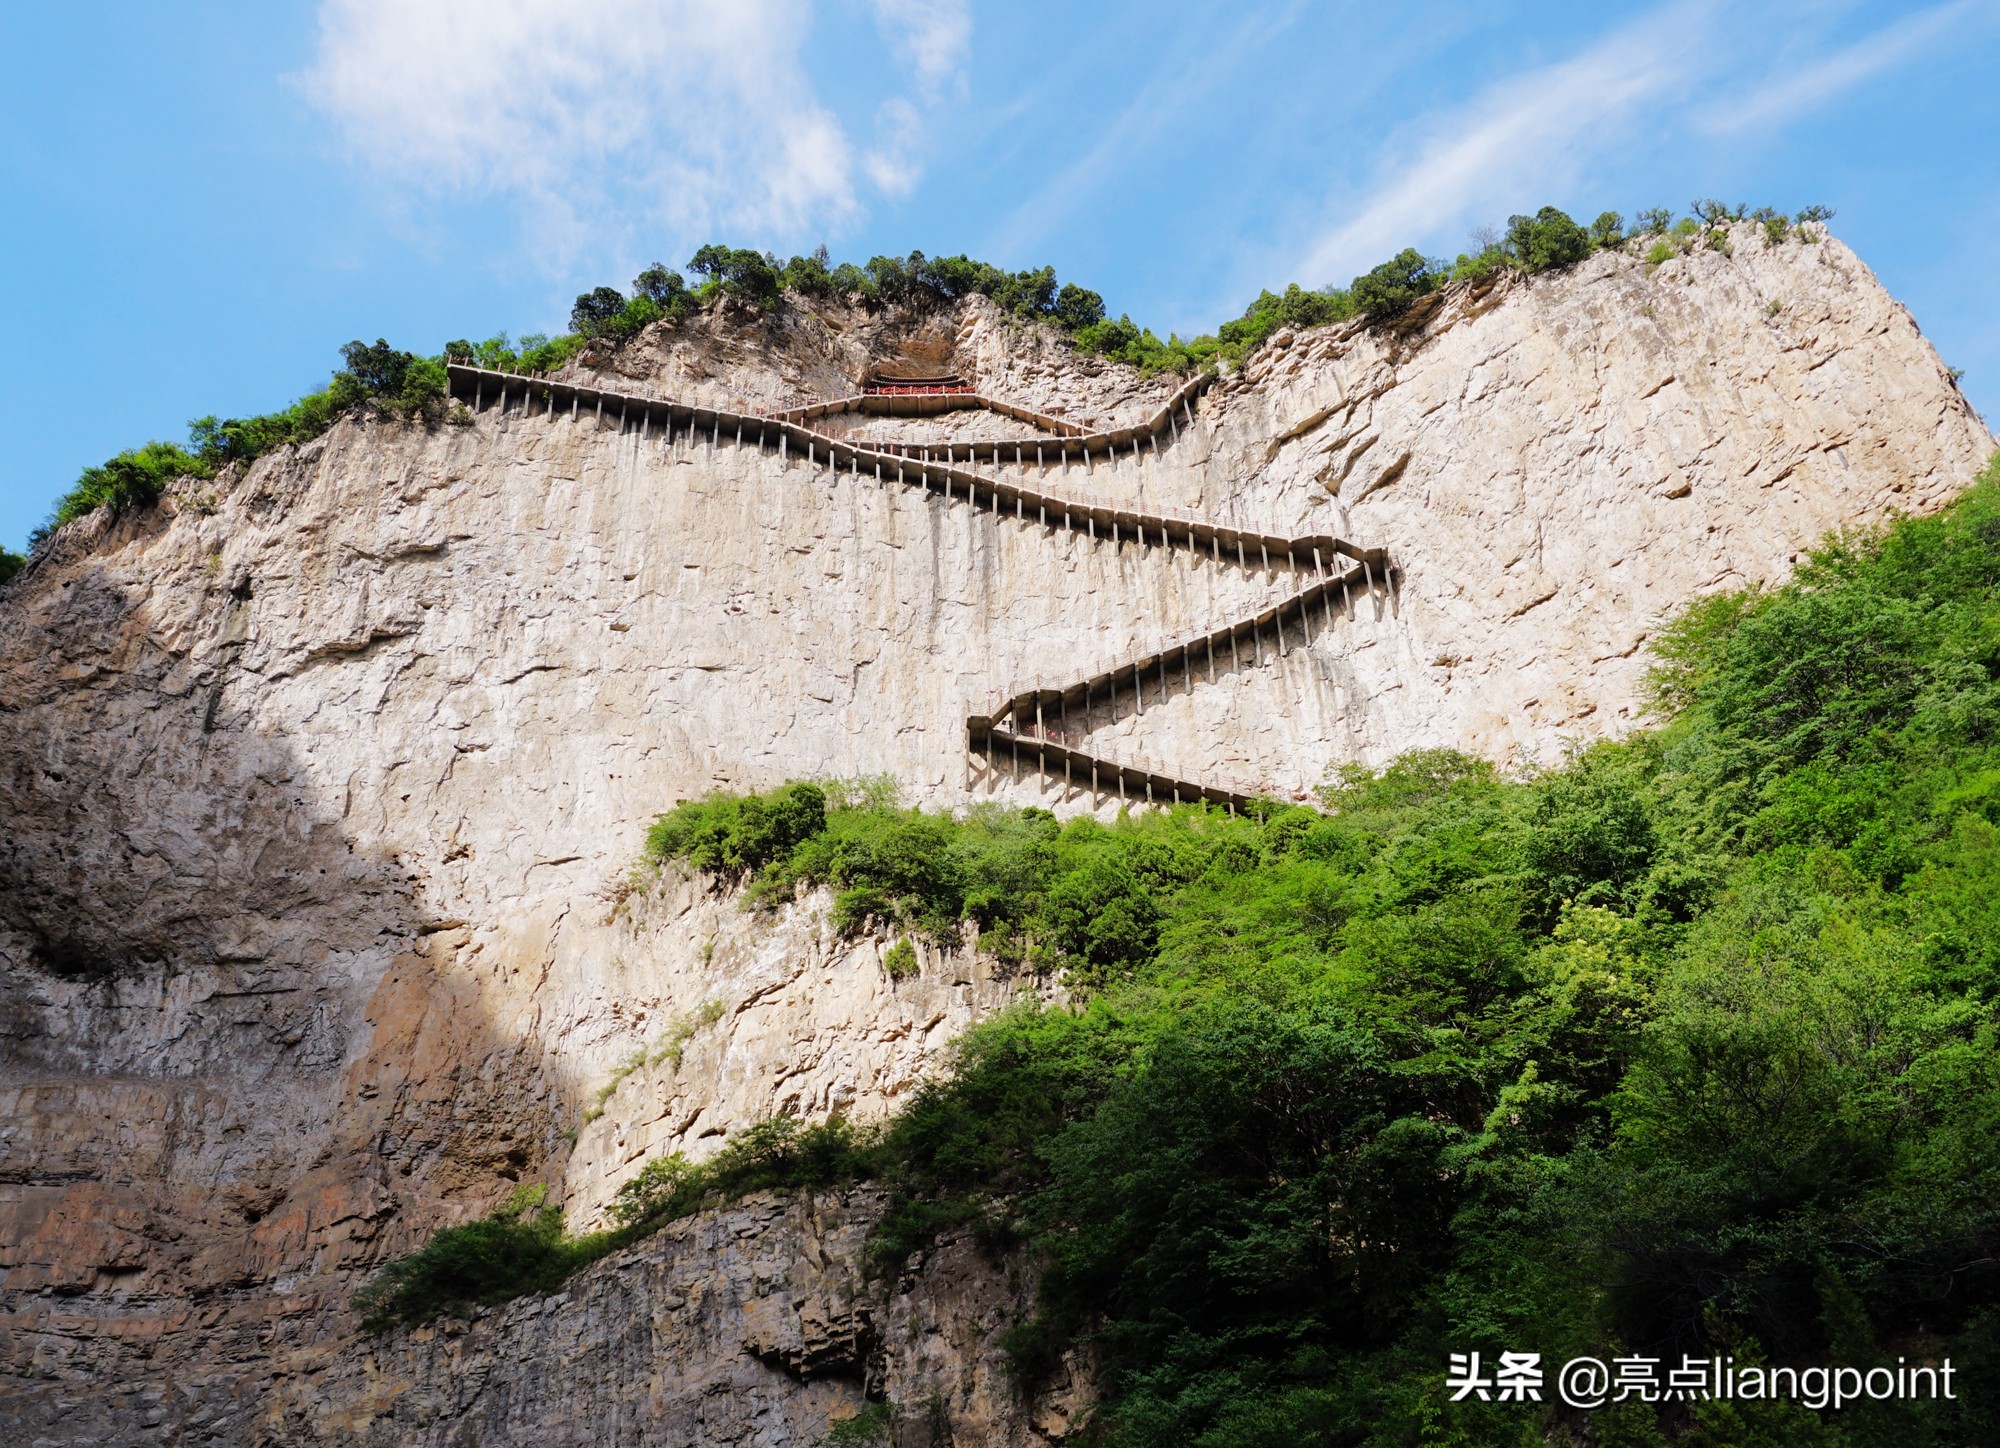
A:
[322, 783]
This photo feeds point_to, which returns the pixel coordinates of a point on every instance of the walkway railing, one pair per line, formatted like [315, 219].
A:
[1070, 439]
[1034, 721]
[1020, 724]
[1002, 496]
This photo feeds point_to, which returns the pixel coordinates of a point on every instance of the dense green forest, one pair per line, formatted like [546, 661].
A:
[1685, 1045]
[381, 379]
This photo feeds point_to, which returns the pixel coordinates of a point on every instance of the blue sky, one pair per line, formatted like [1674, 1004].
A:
[203, 201]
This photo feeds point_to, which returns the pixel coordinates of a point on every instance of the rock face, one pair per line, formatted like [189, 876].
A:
[755, 1325]
[323, 783]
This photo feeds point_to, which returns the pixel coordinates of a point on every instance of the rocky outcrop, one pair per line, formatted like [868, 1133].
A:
[754, 1325]
[323, 781]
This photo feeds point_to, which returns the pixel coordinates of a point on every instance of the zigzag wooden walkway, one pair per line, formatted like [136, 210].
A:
[1068, 438]
[1032, 722]
[1020, 724]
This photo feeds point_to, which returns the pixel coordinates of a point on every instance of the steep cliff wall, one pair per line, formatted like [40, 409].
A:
[322, 781]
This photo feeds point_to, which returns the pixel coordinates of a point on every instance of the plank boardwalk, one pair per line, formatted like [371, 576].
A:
[1026, 729]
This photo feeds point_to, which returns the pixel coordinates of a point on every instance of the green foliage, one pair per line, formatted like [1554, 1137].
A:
[668, 1048]
[1078, 307]
[377, 378]
[1296, 308]
[130, 480]
[1690, 1043]
[518, 1248]
[1714, 215]
[900, 959]
[739, 272]
[1393, 286]
[1686, 1045]
[664, 288]
[777, 1154]
[731, 833]
[11, 563]
[595, 308]
[873, 1427]
[401, 384]
[1546, 240]
[522, 1248]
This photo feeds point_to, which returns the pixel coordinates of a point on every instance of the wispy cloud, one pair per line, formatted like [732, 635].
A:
[931, 40]
[1886, 49]
[1203, 64]
[621, 118]
[1536, 134]
[1526, 135]
[931, 37]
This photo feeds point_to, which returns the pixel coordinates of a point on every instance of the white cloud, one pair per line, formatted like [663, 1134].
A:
[1527, 135]
[1171, 98]
[607, 121]
[1537, 133]
[892, 162]
[931, 37]
[1886, 48]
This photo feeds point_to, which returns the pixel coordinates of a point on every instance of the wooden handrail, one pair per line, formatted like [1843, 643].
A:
[1019, 722]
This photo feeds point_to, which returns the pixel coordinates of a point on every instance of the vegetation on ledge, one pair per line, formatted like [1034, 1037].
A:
[376, 378]
[522, 1246]
[1687, 1046]
[383, 379]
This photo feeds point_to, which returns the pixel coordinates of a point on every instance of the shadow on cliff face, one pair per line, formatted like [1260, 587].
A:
[241, 1062]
